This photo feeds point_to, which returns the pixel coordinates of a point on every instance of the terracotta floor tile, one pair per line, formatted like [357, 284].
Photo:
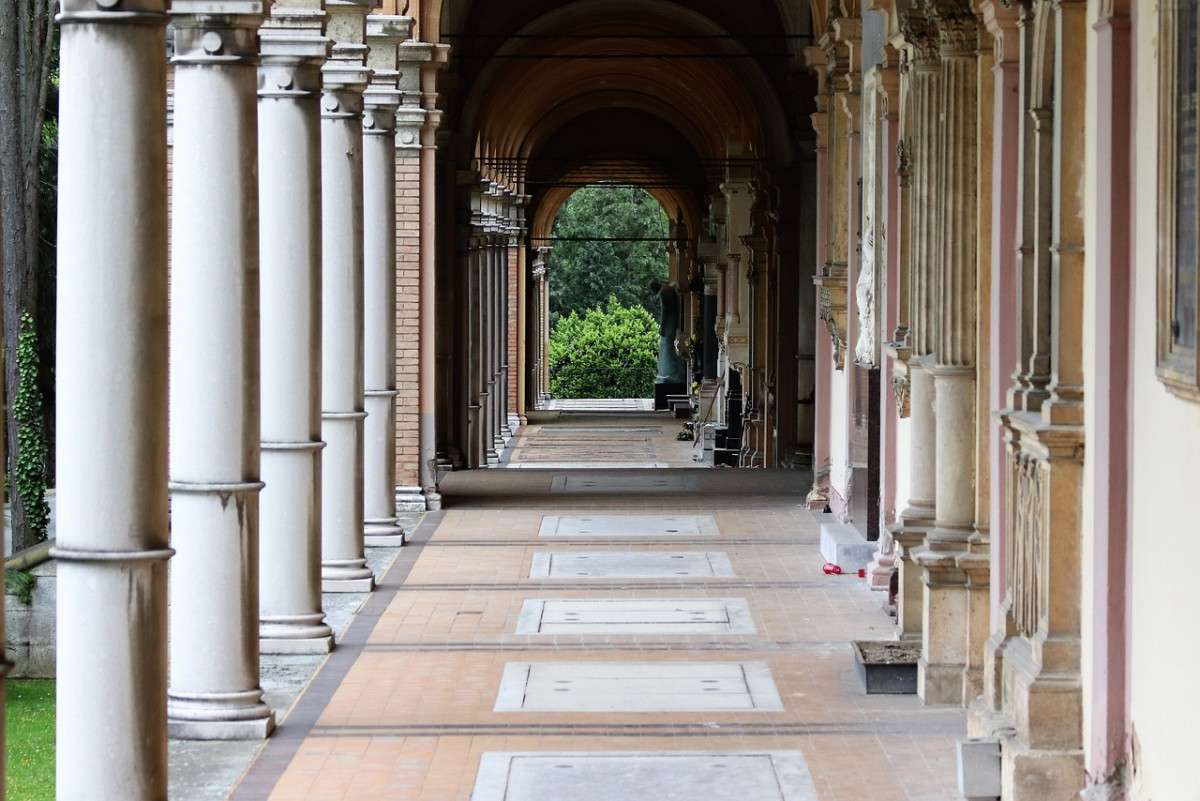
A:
[413, 709]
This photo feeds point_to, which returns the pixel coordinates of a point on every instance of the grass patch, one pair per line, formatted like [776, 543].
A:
[30, 739]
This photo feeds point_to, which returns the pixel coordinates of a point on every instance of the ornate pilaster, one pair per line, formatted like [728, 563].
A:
[293, 45]
[917, 169]
[1040, 678]
[214, 389]
[381, 101]
[344, 79]
[112, 544]
[942, 667]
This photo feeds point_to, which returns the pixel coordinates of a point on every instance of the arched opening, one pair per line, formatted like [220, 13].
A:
[607, 263]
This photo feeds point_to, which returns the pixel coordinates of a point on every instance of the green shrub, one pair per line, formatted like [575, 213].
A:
[607, 353]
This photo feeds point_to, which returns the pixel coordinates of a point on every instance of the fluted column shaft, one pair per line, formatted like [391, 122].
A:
[112, 411]
[923, 88]
[382, 100]
[344, 78]
[293, 49]
[214, 392]
[956, 313]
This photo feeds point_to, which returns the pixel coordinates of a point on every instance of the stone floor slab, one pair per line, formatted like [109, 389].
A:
[624, 483]
[585, 616]
[629, 526]
[643, 776]
[631, 565]
[637, 687]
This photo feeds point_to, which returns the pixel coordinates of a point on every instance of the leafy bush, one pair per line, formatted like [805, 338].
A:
[607, 353]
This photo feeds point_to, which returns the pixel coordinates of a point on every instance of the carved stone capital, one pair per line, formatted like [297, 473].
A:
[957, 26]
[921, 37]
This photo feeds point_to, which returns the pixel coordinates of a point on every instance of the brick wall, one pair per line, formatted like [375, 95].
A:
[514, 276]
[408, 200]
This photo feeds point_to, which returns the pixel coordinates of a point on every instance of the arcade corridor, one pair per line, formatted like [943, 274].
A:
[410, 702]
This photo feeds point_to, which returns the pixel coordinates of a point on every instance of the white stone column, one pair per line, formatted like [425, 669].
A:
[214, 388]
[381, 100]
[293, 47]
[344, 78]
[111, 370]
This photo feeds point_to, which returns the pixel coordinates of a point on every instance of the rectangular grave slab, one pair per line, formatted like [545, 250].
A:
[624, 483]
[637, 687]
[643, 776]
[629, 526]
[635, 616]
[631, 565]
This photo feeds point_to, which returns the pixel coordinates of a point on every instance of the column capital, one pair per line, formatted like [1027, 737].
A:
[346, 72]
[920, 35]
[112, 11]
[214, 32]
[383, 96]
[957, 26]
[293, 46]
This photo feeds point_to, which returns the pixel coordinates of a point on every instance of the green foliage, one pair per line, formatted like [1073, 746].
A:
[583, 275]
[20, 584]
[30, 741]
[31, 443]
[607, 353]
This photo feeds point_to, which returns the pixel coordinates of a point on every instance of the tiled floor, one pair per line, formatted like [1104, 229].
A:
[405, 707]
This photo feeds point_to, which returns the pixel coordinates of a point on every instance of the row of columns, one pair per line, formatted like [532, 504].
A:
[496, 224]
[282, 414]
[989, 237]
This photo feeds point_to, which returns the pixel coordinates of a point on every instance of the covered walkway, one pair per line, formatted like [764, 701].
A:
[591, 614]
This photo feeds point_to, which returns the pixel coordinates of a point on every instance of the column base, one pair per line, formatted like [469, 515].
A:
[296, 647]
[300, 634]
[384, 533]
[879, 572]
[409, 499]
[259, 729]
[433, 499]
[1040, 774]
[347, 576]
[219, 716]
[939, 684]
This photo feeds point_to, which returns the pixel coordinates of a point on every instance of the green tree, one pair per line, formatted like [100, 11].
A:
[606, 353]
[584, 274]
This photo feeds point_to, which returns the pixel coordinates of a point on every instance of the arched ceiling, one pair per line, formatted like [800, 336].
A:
[547, 93]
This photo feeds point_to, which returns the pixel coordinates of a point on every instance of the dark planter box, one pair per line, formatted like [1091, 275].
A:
[887, 667]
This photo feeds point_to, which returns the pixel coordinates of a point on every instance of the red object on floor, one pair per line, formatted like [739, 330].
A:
[831, 569]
